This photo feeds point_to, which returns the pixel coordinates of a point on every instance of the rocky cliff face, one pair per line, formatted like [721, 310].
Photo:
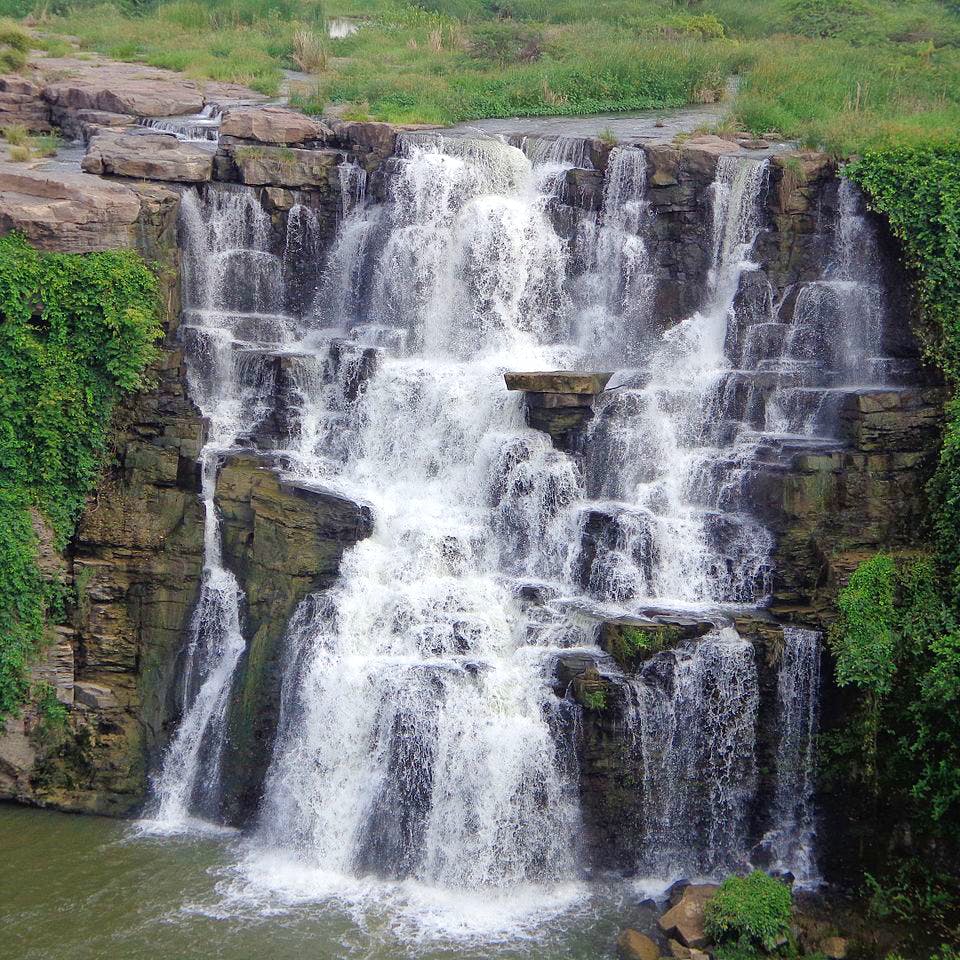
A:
[137, 559]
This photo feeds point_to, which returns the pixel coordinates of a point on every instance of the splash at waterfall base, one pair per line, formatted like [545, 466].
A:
[555, 721]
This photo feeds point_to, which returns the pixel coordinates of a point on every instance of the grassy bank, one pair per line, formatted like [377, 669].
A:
[845, 74]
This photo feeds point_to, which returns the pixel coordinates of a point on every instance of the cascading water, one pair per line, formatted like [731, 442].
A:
[667, 539]
[420, 736]
[790, 840]
[696, 709]
[415, 735]
[233, 283]
[202, 127]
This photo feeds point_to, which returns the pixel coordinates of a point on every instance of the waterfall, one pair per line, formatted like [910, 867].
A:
[202, 127]
[420, 735]
[834, 343]
[696, 709]
[668, 539]
[416, 737]
[790, 840]
[615, 291]
[233, 282]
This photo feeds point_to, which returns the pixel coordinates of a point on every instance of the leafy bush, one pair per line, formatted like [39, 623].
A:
[751, 912]
[825, 18]
[76, 333]
[898, 642]
[703, 25]
[506, 42]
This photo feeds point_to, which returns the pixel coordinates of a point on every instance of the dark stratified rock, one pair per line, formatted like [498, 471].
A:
[282, 542]
[558, 402]
[633, 640]
[272, 125]
[153, 156]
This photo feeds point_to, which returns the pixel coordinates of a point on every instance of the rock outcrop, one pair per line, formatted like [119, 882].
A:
[135, 563]
[75, 213]
[148, 156]
[272, 125]
[282, 542]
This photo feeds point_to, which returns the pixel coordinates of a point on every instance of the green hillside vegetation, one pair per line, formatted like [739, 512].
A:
[847, 75]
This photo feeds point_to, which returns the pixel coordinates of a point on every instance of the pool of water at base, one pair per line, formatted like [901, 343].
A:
[91, 888]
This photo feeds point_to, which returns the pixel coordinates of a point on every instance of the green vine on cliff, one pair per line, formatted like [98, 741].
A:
[76, 333]
[897, 641]
[918, 191]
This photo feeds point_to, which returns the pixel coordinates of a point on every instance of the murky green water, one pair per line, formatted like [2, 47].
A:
[86, 888]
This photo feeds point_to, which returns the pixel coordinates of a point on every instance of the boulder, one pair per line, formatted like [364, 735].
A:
[68, 212]
[685, 921]
[834, 948]
[557, 381]
[152, 156]
[273, 125]
[632, 945]
[701, 154]
[678, 950]
[117, 88]
[285, 166]
[373, 136]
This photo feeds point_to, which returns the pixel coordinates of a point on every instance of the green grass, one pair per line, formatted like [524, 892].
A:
[848, 75]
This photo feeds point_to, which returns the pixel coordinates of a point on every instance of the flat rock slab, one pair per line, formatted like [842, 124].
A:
[700, 155]
[272, 125]
[131, 88]
[557, 381]
[69, 212]
[147, 157]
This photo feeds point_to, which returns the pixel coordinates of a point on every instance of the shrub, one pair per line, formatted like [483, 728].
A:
[16, 134]
[20, 153]
[309, 51]
[825, 18]
[751, 912]
[506, 42]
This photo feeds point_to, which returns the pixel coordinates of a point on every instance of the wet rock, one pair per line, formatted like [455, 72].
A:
[663, 164]
[154, 156]
[685, 921]
[632, 640]
[558, 382]
[272, 125]
[373, 136]
[282, 541]
[633, 945]
[700, 155]
[798, 178]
